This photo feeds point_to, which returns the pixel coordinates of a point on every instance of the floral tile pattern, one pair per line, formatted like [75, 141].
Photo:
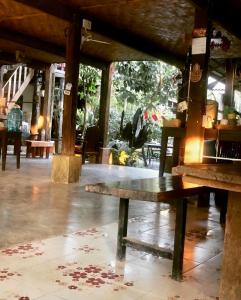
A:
[82, 265]
[25, 251]
[76, 277]
[7, 274]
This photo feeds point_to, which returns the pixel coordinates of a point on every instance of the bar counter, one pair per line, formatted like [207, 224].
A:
[226, 177]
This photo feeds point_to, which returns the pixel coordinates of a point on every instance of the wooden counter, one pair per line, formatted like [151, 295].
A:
[227, 177]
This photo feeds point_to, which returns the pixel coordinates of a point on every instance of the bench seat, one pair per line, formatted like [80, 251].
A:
[37, 148]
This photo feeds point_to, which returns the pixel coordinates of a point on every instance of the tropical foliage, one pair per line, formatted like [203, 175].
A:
[141, 91]
[88, 92]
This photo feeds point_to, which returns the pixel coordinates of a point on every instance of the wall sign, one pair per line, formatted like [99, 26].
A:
[199, 45]
[68, 88]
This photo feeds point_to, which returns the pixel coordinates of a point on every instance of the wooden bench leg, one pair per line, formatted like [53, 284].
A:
[33, 150]
[17, 148]
[181, 213]
[28, 150]
[4, 155]
[47, 152]
[122, 227]
[41, 152]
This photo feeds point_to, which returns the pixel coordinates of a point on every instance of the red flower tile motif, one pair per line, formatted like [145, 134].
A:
[86, 249]
[6, 274]
[25, 251]
[77, 277]
[88, 232]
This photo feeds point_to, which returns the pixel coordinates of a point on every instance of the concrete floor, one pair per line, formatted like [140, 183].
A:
[58, 242]
[32, 208]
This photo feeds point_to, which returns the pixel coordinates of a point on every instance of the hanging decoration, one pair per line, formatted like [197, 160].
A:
[219, 41]
[196, 73]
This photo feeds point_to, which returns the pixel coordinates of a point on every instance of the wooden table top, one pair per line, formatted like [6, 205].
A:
[223, 176]
[159, 189]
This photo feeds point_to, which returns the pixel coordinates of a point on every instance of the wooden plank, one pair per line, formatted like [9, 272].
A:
[161, 189]
[214, 184]
[153, 249]
[45, 46]
[27, 40]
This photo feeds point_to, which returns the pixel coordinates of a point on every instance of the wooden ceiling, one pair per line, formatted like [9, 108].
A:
[132, 29]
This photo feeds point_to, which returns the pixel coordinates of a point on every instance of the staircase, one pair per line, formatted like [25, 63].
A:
[16, 84]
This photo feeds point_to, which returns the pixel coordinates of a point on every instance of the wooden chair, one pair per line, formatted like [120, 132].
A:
[90, 145]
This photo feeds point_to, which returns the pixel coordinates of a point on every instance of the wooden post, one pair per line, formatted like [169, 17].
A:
[35, 104]
[230, 71]
[71, 86]
[106, 83]
[66, 167]
[47, 108]
[198, 88]
[183, 89]
[1, 80]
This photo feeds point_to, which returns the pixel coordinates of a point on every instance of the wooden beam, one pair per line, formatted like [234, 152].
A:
[8, 58]
[91, 61]
[41, 45]
[32, 42]
[123, 36]
[55, 8]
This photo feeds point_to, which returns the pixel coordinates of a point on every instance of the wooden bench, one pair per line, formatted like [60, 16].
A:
[170, 190]
[37, 148]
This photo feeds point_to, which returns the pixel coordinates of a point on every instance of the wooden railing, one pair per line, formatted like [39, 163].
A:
[16, 84]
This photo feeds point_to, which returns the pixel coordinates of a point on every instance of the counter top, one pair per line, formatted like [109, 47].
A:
[223, 176]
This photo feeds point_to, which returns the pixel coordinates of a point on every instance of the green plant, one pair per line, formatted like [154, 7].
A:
[135, 132]
[228, 110]
[122, 154]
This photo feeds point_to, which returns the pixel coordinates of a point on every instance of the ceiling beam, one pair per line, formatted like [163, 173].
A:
[51, 48]
[29, 41]
[54, 8]
[138, 43]
[7, 58]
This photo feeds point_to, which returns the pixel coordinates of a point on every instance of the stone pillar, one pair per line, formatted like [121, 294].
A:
[106, 84]
[66, 167]
[198, 88]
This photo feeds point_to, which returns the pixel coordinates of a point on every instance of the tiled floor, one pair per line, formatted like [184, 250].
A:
[59, 242]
